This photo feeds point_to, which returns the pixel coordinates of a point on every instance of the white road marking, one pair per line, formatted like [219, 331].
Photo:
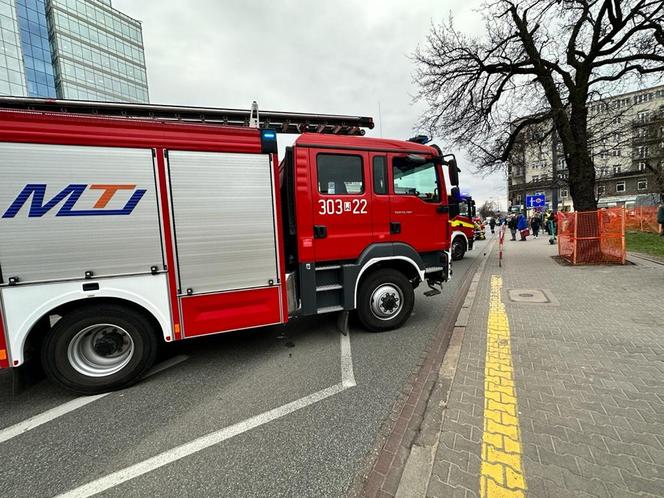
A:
[47, 416]
[214, 438]
[70, 406]
[197, 445]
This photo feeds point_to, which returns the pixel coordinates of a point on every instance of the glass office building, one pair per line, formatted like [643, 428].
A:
[72, 49]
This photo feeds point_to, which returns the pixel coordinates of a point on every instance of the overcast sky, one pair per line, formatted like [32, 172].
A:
[338, 57]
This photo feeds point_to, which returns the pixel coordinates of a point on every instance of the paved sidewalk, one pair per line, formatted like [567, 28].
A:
[567, 397]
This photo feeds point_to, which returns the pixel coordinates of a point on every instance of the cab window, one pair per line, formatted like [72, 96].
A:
[340, 174]
[380, 175]
[420, 180]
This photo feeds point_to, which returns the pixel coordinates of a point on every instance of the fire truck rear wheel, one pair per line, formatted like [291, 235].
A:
[97, 349]
[386, 300]
[458, 248]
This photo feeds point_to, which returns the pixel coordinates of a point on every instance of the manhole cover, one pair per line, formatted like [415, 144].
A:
[535, 296]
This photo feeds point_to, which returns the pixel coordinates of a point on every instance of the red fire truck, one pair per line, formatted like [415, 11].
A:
[125, 225]
[462, 212]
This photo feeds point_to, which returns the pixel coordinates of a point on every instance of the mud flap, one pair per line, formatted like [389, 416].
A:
[342, 322]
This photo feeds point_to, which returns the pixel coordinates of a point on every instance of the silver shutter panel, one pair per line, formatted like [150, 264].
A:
[51, 247]
[223, 211]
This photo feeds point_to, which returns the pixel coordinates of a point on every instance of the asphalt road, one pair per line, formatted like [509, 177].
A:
[224, 381]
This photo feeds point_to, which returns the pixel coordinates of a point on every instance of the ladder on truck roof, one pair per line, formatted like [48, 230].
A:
[280, 122]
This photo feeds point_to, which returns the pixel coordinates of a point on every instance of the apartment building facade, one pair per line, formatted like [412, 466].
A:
[627, 136]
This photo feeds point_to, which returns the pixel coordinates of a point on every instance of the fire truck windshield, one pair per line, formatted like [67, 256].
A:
[464, 209]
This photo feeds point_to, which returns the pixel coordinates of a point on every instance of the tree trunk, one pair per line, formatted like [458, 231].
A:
[580, 163]
[582, 181]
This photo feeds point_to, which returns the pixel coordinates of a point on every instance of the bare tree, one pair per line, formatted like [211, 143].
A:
[488, 209]
[537, 62]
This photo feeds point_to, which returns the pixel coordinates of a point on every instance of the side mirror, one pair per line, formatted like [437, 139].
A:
[454, 172]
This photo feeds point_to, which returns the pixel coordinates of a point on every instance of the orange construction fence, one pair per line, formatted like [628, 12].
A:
[642, 219]
[592, 237]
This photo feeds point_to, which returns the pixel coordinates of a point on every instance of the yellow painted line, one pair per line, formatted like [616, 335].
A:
[501, 473]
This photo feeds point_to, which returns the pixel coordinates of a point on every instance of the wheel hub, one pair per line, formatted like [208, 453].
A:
[386, 302]
[100, 350]
[108, 344]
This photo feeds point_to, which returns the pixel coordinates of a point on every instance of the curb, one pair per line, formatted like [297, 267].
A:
[419, 464]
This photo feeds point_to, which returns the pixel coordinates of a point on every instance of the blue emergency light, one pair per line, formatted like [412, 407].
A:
[269, 141]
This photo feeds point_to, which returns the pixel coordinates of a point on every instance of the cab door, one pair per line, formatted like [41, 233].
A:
[342, 204]
[418, 216]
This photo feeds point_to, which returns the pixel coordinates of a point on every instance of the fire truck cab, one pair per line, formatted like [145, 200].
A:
[122, 226]
[462, 213]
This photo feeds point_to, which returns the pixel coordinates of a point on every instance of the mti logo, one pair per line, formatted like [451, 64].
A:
[70, 195]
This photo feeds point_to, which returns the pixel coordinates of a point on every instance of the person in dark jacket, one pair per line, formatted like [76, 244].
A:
[492, 224]
[511, 224]
[660, 216]
[535, 224]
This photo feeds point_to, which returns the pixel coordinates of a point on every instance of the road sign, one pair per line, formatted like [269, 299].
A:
[535, 201]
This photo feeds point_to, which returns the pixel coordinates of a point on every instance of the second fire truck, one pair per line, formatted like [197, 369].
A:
[462, 213]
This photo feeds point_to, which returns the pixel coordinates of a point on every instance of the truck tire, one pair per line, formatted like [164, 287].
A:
[98, 349]
[458, 248]
[386, 300]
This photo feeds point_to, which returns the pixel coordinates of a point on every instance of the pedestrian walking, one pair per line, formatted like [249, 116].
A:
[522, 227]
[551, 224]
[660, 216]
[511, 224]
[535, 224]
[492, 224]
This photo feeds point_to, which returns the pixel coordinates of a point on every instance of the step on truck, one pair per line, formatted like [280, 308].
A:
[122, 226]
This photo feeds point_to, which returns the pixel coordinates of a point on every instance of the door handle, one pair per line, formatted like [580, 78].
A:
[442, 209]
[395, 228]
[320, 232]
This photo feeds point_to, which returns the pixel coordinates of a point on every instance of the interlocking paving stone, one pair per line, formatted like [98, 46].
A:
[588, 375]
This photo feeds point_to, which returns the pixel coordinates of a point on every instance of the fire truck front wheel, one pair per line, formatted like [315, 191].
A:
[458, 248]
[386, 300]
[98, 349]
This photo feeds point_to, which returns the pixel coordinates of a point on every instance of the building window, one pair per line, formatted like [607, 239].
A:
[562, 164]
[643, 151]
[340, 174]
[642, 185]
[564, 193]
[602, 154]
[536, 178]
[616, 152]
[601, 190]
[643, 117]
[642, 166]
[642, 132]
[620, 187]
[604, 171]
[616, 170]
